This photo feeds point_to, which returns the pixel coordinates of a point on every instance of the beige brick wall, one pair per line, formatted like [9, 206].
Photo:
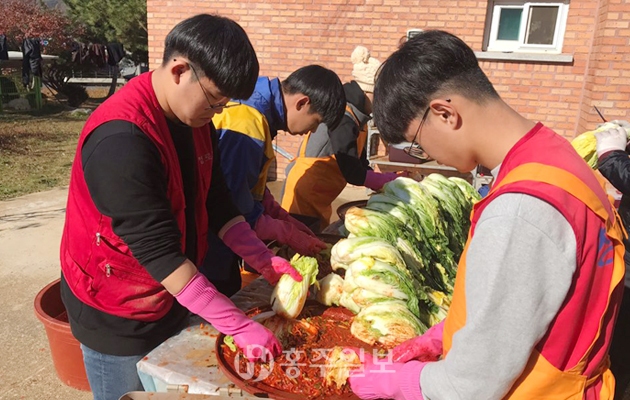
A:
[288, 34]
[607, 82]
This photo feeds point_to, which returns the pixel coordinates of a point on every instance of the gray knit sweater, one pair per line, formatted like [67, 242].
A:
[520, 267]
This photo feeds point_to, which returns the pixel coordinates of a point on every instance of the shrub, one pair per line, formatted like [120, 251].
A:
[75, 93]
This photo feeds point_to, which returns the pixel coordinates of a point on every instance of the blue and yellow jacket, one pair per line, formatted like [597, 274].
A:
[245, 144]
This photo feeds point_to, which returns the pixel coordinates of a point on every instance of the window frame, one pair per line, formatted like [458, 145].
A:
[519, 46]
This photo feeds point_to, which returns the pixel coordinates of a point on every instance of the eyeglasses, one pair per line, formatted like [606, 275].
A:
[414, 150]
[211, 106]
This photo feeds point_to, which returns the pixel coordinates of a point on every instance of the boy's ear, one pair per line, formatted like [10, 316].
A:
[177, 69]
[445, 110]
[302, 102]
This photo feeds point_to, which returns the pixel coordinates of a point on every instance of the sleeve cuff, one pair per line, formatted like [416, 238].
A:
[163, 266]
[410, 380]
[229, 225]
[606, 154]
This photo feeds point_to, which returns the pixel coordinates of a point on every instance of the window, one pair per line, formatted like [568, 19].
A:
[534, 27]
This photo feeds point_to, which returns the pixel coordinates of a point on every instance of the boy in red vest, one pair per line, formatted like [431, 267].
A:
[541, 276]
[145, 189]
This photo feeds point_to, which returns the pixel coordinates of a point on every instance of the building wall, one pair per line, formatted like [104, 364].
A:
[607, 81]
[288, 34]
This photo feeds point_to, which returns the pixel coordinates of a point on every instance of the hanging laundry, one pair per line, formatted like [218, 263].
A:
[84, 53]
[116, 52]
[31, 60]
[4, 50]
[98, 54]
[76, 52]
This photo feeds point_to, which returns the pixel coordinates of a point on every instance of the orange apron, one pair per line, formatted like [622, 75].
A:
[540, 379]
[315, 182]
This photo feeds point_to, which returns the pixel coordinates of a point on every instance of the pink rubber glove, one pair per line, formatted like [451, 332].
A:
[427, 347]
[299, 225]
[268, 228]
[242, 240]
[273, 209]
[376, 180]
[203, 299]
[387, 380]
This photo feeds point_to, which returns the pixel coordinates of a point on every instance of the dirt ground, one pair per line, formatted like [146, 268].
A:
[30, 232]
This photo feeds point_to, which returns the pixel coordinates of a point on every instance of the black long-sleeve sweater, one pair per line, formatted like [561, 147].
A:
[127, 182]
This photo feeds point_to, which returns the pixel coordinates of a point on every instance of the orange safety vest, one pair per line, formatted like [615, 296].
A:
[315, 182]
[540, 379]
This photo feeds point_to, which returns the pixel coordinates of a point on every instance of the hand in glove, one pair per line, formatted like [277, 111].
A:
[610, 140]
[268, 228]
[386, 380]
[426, 347]
[622, 123]
[376, 180]
[202, 298]
[273, 209]
[299, 225]
[242, 240]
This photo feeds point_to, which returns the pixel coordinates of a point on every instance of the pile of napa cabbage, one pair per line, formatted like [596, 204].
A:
[400, 259]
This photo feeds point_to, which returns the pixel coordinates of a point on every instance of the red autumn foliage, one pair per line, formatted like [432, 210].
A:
[30, 19]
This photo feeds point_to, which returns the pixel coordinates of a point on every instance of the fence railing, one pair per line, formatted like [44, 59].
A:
[11, 88]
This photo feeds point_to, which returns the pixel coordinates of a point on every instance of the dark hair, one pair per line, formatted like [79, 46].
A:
[428, 64]
[219, 49]
[323, 88]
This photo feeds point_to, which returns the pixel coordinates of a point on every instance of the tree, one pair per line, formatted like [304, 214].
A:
[123, 21]
[22, 19]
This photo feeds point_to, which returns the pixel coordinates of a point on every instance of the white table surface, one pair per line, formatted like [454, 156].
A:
[189, 359]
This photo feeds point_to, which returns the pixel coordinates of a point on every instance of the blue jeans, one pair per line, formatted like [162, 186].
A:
[111, 376]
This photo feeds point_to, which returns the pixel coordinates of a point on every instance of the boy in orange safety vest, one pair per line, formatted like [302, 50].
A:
[541, 277]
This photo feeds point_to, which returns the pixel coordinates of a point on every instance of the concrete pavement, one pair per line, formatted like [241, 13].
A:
[30, 232]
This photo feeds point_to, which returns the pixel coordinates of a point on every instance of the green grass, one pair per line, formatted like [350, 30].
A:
[36, 150]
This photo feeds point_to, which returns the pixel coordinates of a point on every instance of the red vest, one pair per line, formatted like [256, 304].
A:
[579, 336]
[96, 263]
